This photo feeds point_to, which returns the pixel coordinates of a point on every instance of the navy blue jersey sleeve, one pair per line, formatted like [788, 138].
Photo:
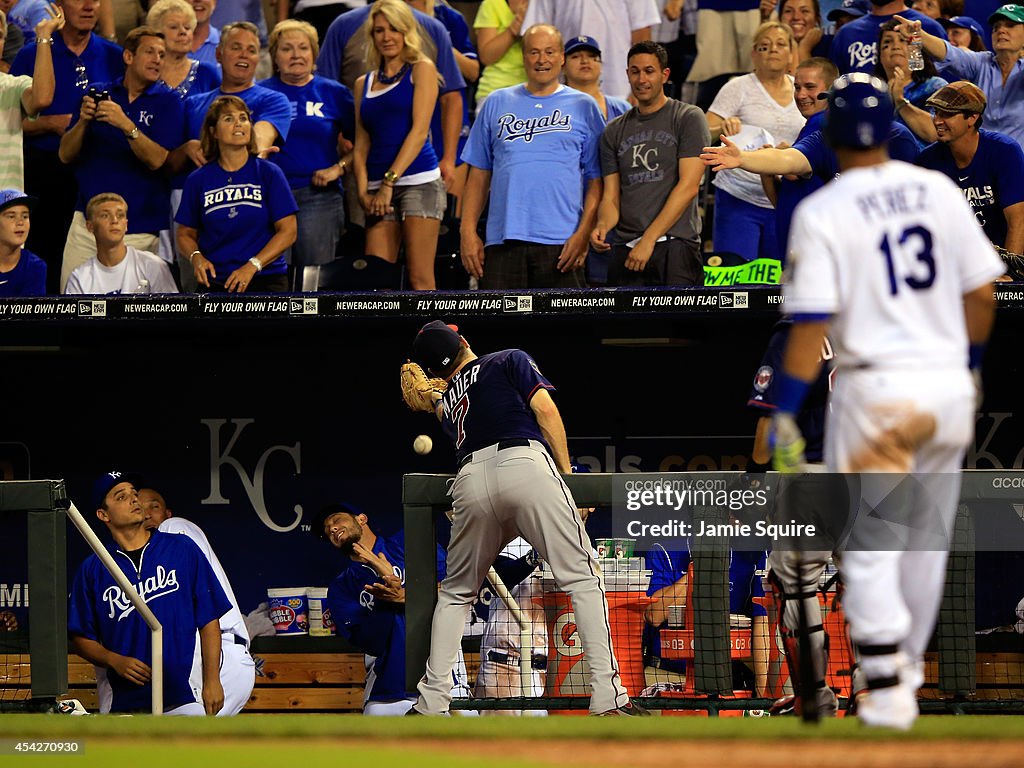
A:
[525, 374]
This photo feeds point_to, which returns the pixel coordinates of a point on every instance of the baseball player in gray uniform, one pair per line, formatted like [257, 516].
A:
[510, 447]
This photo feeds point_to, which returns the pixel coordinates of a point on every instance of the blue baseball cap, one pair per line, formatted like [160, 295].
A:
[436, 345]
[582, 41]
[9, 197]
[107, 481]
[855, 8]
[963, 22]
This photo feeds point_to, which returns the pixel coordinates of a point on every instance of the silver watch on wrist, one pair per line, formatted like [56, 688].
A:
[133, 134]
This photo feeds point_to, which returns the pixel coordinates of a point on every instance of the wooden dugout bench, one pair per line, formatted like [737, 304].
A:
[294, 674]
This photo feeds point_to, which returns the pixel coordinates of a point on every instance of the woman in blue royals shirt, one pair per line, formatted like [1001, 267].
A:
[396, 169]
[237, 213]
[314, 157]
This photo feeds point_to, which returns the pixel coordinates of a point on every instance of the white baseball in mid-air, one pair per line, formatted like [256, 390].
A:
[423, 444]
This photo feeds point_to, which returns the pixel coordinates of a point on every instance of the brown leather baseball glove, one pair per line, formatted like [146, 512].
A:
[418, 389]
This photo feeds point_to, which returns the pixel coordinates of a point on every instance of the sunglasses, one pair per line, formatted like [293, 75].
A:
[81, 75]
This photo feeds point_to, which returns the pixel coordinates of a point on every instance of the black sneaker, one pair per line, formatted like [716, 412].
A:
[784, 706]
[632, 709]
[413, 712]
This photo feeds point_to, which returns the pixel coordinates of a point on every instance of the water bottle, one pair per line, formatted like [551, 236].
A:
[915, 52]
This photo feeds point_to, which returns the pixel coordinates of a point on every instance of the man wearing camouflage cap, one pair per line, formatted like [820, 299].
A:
[987, 165]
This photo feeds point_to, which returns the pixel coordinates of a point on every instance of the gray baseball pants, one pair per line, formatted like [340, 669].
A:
[498, 495]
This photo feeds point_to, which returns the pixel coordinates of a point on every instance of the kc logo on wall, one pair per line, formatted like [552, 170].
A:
[221, 458]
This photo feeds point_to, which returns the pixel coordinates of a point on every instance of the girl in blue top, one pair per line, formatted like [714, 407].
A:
[237, 214]
[396, 169]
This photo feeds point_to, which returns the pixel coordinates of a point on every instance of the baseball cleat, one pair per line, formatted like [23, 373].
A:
[632, 709]
[894, 707]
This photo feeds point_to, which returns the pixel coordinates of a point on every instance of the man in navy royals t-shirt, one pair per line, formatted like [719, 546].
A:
[988, 166]
[178, 585]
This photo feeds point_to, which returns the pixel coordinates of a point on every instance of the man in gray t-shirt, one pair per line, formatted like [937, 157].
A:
[650, 160]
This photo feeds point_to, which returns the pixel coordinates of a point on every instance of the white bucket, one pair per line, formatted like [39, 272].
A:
[320, 624]
[288, 610]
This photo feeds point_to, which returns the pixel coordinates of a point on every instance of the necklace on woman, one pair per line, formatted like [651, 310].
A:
[389, 79]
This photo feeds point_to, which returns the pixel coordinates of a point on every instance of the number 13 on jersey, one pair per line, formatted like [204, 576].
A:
[908, 257]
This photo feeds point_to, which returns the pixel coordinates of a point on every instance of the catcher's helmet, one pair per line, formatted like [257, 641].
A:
[860, 111]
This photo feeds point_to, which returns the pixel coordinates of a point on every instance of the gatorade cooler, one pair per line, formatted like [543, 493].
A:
[568, 674]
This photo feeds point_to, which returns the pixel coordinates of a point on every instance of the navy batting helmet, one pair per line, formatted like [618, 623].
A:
[860, 111]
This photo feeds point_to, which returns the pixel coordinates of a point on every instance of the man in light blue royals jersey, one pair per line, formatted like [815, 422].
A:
[175, 579]
[529, 147]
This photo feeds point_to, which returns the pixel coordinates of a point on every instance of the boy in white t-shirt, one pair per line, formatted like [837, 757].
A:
[117, 268]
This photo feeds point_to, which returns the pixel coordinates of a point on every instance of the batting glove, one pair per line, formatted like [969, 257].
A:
[787, 444]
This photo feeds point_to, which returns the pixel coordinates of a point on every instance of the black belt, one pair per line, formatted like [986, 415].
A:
[537, 662]
[237, 640]
[502, 445]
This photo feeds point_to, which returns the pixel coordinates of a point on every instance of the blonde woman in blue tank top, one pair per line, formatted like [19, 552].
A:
[396, 169]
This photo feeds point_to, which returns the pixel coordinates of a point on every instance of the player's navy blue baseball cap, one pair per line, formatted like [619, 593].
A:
[105, 482]
[963, 22]
[9, 197]
[855, 8]
[436, 345]
[859, 113]
[581, 42]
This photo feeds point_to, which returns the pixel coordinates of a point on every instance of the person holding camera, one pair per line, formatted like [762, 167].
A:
[121, 136]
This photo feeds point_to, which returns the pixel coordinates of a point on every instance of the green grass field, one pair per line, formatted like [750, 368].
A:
[298, 741]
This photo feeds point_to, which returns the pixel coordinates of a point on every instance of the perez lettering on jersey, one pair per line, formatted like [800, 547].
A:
[893, 201]
[511, 127]
[163, 583]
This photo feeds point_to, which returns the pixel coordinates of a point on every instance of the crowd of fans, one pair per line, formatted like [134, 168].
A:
[191, 146]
